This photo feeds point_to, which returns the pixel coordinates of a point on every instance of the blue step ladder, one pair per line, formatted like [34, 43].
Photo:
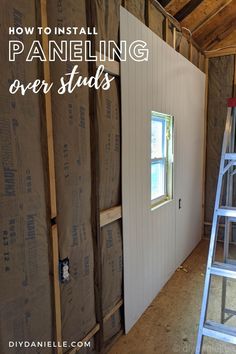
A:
[226, 269]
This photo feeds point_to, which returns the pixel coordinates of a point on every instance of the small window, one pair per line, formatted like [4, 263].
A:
[161, 158]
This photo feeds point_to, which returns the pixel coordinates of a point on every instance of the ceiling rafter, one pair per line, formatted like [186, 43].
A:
[229, 41]
[187, 9]
[203, 23]
[222, 35]
[220, 26]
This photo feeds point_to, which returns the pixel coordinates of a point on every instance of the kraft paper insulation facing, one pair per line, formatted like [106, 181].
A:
[25, 298]
[109, 130]
[71, 126]
[221, 73]
[107, 20]
[112, 326]
[137, 8]
[156, 21]
[112, 265]
[108, 111]
[88, 349]
[184, 47]
[195, 57]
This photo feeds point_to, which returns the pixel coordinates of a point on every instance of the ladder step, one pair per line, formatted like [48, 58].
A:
[230, 156]
[219, 331]
[223, 270]
[227, 211]
[230, 261]
[230, 312]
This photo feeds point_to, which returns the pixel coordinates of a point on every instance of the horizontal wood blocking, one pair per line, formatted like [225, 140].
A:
[111, 67]
[115, 308]
[220, 53]
[86, 339]
[110, 215]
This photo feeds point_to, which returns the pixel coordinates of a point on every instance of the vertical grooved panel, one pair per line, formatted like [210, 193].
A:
[157, 241]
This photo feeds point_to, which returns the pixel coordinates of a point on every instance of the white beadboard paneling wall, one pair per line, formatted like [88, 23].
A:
[157, 241]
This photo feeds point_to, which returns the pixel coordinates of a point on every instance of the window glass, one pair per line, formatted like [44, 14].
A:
[161, 157]
[157, 179]
[158, 128]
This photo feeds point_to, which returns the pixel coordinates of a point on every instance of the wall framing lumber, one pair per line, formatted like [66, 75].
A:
[220, 53]
[48, 108]
[163, 11]
[115, 308]
[110, 215]
[175, 23]
[205, 144]
[234, 89]
[86, 339]
[184, 47]
[166, 32]
[56, 284]
[107, 106]
[190, 51]
[174, 38]
[52, 182]
[94, 138]
[170, 28]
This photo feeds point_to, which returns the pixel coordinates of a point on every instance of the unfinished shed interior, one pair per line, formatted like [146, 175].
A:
[117, 176]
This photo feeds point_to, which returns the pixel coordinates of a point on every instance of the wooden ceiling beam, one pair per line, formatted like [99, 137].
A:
[187, 9]
[221, 35]
[229, 41]
[220, 53]
[217, 36]
[218, 28]
[210, 17]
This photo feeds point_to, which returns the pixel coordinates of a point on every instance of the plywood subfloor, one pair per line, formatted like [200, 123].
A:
[170, 324]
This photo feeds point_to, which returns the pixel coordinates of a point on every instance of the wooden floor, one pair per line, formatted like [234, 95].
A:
[170, 324]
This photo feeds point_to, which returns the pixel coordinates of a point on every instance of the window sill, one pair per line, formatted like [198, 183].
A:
[154, 207]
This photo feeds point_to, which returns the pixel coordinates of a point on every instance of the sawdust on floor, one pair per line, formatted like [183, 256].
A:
[170, 323]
